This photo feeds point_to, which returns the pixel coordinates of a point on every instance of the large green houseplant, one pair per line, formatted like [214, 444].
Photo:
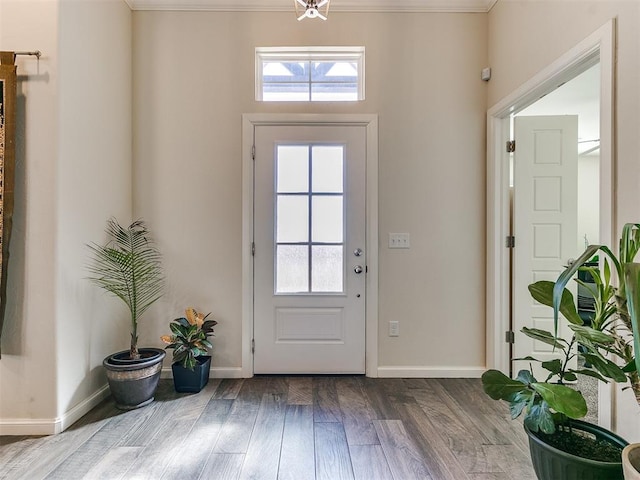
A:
[129, 267]
[550, 404]
[559, 442]
[617, 308]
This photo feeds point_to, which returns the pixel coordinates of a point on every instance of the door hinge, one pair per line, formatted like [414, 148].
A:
[510, 337]
[253, 249]
[510, 241]
[253, 152]
[253, 346]
[511, 146]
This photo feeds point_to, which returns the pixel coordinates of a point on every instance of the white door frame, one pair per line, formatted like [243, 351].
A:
[599, 45]
[370, 122]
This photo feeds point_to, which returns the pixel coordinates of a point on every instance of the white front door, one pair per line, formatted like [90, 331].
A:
[310, 258]
[544, 222]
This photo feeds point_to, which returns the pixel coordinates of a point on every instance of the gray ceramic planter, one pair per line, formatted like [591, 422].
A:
[631, 461]
[133, 383]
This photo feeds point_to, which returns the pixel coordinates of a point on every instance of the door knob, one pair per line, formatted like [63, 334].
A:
[358, 269]
[358, 252]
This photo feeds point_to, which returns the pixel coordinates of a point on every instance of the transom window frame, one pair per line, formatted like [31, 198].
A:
[309, 54]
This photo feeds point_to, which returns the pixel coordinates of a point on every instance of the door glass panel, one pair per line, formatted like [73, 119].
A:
[327, 224]
[309, 200]
[327, 169]
[292, 269]
[326, 268]
[292, 169]
[292, 219]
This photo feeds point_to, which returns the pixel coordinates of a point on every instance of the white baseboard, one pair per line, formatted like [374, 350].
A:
[73, 415]
[51, 426]
[215, 372]
[383, 371]
[430, 372]
[29, 426]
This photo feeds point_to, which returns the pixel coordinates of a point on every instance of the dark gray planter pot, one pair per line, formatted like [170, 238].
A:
[550, 463]
[185, 380]
[133, 383]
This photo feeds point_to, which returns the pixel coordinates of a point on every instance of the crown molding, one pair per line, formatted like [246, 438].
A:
[361, 6]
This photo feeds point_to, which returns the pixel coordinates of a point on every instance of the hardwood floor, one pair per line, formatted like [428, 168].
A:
[287, 427]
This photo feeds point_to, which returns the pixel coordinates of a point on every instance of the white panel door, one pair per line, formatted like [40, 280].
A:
[544, 221]
[310, 259]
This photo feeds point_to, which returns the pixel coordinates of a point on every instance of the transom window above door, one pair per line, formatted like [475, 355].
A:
[309, 74]
[309, 219]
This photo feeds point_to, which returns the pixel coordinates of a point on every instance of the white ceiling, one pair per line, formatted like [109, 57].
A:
[579, 96]
[336, 5]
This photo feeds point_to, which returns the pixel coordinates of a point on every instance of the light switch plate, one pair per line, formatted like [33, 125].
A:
[394, 328]
[399, 240]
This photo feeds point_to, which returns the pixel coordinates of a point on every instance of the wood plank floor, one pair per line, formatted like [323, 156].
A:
[287, 427]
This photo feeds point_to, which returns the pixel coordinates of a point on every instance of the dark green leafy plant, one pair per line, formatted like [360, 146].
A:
[595, 339]
[190, 337]
[129, 267]
[548, 402]
[614, 330]
[615, 313]
[544, 403]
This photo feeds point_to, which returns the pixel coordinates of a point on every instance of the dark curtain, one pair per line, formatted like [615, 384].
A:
[7, 166]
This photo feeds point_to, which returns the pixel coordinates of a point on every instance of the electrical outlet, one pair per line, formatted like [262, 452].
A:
[399, 240]
[394, 328]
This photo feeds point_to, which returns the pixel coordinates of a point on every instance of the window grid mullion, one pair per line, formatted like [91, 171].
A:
[310, 221]
[310, 85]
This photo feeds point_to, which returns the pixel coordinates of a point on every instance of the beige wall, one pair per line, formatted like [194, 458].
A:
[93, 183]
[73, 172]
[27, 367]
[194, 78]
[527, 35]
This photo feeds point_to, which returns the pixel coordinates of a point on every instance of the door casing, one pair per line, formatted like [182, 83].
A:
[370, 122]
[599, 46]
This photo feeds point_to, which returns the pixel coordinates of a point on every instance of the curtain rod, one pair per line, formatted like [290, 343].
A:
[37, 53]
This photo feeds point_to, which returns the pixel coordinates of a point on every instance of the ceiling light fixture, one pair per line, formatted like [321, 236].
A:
[312, 8]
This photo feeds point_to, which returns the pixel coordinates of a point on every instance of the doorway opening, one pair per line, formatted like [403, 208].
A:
[595, 52]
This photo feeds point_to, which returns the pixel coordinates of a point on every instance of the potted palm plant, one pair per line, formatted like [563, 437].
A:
[189, 342]
[128, 267]
[613, 331]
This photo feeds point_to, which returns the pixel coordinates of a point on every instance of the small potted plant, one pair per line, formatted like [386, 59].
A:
[129, 267]
[190, 344]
